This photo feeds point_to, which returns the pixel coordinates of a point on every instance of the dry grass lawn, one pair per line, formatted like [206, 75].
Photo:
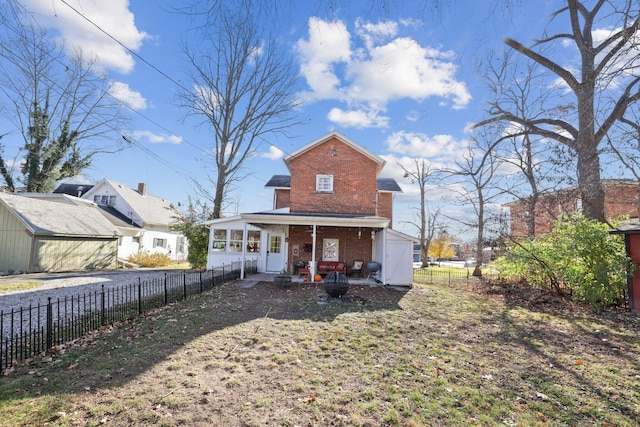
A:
[436, 355]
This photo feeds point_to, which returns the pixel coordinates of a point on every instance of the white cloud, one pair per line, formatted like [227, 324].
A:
[329, 43]
[358, 118]
[442, 148]
[386, 68]
[413, 116]
[379, 32]
[274, 153]
[123, 93]
[157, 139]
[111, 16]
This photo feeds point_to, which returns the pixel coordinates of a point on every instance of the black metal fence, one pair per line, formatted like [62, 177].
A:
[29, 331]
[451, 276]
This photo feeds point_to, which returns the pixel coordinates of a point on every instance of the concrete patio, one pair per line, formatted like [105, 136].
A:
[252, 279]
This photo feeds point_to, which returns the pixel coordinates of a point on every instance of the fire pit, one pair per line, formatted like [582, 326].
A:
[336, 284]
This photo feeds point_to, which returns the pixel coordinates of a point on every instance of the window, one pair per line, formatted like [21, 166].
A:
[180, 244]
[135, 239]
[253, 241]
[219, 240]
[159, 243]
[105, 200]
[235, 241]
[324, 183]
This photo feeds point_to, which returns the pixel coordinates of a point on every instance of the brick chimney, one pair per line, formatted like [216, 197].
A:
[142, 188]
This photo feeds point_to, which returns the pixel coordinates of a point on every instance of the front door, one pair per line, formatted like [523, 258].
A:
[275, 252]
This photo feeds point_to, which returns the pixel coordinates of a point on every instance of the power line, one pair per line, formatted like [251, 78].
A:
[61, 90]
[311, 166]
[167, 76]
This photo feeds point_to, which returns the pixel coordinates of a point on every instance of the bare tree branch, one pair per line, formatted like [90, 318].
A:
[242, 89]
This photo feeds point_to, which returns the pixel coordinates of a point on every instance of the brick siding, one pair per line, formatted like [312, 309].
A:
[354, 180]
[621, 198]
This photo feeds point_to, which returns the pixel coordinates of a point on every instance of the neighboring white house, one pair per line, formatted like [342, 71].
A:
[143, 220]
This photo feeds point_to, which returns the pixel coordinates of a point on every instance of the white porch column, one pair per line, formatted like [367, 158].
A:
[244, 250]
[312, 269]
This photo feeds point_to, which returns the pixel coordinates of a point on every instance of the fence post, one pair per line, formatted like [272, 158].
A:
[102, 309]
[139, 295]
[49, 324]
[200, 281]
[184, 284]
[449, 277]
[165, 289]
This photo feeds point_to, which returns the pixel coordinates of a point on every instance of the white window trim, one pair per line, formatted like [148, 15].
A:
[319, 179]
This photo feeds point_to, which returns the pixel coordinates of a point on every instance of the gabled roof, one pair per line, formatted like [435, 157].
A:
[382, 184]
[380, 162]
[43, 217]
[110, 213]
[151, 209]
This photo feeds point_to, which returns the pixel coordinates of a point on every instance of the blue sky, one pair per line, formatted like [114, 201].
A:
[400, 80]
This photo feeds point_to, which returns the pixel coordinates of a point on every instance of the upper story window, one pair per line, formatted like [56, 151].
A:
[105, 200]
[324, 183]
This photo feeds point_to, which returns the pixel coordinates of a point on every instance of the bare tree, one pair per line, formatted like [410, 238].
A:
[594, 94]
[242, 88]
[420, 173]
[59, 106]
[537, 166]
[478, 169]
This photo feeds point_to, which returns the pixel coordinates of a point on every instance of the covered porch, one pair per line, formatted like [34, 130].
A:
[281, 241]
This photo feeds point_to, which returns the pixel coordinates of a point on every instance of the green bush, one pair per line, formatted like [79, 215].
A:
[146, 259]
[579, 258]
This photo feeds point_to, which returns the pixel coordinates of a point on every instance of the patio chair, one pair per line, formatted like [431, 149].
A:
[356, 268]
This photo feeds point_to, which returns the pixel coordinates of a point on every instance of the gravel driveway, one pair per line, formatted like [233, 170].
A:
[59, 285]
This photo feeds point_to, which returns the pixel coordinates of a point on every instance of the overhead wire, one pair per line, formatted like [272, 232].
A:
[312, 166]
[131, 140]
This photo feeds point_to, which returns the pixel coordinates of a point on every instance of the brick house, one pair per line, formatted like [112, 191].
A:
[332, 208]
[621, 198]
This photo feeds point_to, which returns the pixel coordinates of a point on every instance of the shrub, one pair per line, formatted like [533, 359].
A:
[579, 258]
[146, 259]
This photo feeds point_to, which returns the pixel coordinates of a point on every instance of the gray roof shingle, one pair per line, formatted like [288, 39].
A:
[51, 218]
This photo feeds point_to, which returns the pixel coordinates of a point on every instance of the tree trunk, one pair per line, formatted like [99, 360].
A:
[477, 271]
[589, 183]
[219, 196]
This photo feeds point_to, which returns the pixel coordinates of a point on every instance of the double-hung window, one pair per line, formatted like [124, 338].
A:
[159, 243]
[324, 183]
